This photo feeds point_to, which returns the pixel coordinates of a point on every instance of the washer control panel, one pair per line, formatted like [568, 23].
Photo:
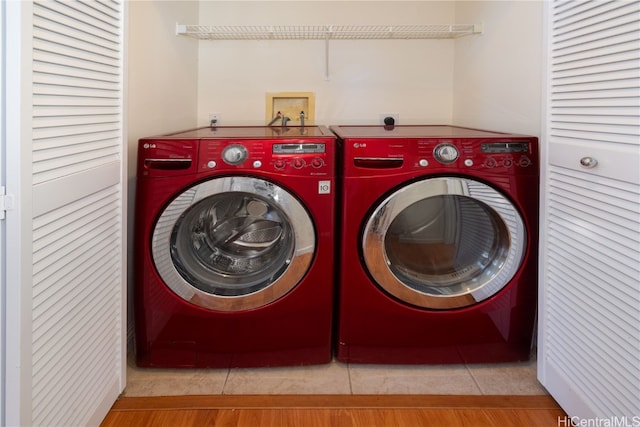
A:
[296, 157]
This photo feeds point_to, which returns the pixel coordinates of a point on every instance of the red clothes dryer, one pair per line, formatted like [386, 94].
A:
[439, 245]
[234, 247]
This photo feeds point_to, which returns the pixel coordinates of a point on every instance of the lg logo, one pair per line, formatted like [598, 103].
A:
[360, 145]
[147, 145]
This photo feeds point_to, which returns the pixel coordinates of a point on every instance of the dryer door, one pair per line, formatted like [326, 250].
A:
[444, 242]
[233, 243]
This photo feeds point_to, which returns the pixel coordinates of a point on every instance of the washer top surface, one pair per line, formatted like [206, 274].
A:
[258, 132]
[417, 131]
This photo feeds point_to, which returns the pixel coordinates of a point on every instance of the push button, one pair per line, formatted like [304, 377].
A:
[524, 162]
[490, 162]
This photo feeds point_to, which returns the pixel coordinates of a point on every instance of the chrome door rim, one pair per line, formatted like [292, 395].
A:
[296, 268]
[378, 263]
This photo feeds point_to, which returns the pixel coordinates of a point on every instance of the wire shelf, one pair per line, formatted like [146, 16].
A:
[327, 32]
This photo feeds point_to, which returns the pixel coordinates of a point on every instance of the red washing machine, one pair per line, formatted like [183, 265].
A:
[234, 247]
[439, 245]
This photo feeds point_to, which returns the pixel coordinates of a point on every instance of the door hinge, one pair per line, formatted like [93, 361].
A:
[6, 202]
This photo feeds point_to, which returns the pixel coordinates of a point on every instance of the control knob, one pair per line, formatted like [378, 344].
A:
[234, 154]
[445, 153]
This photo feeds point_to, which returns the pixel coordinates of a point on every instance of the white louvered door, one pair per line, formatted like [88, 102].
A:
[72, 344]
[3, 278]
[589, 334]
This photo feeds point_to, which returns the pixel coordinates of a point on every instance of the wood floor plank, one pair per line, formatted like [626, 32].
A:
[333, 417]
[333, 410]
[335, 401]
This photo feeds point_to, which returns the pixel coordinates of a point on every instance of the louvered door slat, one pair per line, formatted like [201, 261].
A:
[98, 82]
[623, 58]
[78, 139]
[73, 118]
[52, 69]
[45, 112]
[50, 101]
[596, 120]
[604, 70]
[80, 62]
[75, 89]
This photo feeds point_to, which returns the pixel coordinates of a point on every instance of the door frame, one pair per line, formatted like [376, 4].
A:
[17, 255]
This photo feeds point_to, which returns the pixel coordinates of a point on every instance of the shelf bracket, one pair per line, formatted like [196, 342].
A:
[327, 37]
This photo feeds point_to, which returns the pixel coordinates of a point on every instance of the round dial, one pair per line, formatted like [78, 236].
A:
[234, 154]
[445, 153]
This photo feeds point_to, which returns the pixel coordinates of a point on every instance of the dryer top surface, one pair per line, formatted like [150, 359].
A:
[417, 131]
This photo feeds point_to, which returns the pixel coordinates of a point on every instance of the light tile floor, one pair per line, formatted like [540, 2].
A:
[339, 378]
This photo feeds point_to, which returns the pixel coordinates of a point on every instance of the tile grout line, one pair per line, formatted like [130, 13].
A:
[226, 379]
[349, 377]
[473, 377]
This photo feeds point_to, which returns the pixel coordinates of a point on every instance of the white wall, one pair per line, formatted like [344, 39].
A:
[489, 81]
[367, 77]
[162, 68]
[498, 76]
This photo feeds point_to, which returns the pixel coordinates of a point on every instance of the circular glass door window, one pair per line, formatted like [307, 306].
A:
[444, 243]
[233, 243]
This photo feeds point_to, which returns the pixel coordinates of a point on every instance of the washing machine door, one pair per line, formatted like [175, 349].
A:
[233, 243]
[444, 243]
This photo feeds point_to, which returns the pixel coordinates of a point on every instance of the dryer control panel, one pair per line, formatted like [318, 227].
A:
[437, 155]
[435, 149]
